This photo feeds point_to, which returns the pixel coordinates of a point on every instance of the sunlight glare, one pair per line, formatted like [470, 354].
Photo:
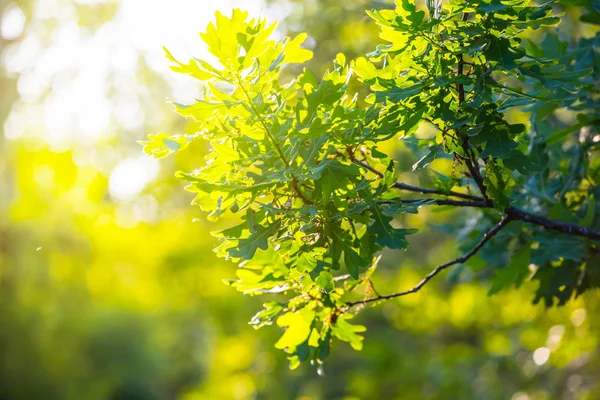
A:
[13, 22]
[76, 72]
[131, 176]
[541, 355]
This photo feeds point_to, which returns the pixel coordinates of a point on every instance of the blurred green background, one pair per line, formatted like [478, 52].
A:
[109, 288]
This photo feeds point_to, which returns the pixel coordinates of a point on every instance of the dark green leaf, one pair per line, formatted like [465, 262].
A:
[387, 235]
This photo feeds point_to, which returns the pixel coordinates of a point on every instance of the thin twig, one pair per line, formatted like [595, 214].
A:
[341, 277]
[474, 170]
[411, 188]
[372, 286]
[264, 125]
[486, 237]
[275, 145]
[439, 202]
[305, 199]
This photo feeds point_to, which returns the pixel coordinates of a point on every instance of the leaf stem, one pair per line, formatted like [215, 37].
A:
[275, 145]
[262, 122]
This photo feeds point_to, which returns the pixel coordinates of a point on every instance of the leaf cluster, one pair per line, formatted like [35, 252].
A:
[299, 163]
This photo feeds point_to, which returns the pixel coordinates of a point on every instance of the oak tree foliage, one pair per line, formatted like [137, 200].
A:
[298, 163]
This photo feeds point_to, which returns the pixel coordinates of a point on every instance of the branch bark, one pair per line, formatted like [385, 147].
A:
[440, 202]
[553, 224]
[486, 237]
[479, 202]
[411, 188]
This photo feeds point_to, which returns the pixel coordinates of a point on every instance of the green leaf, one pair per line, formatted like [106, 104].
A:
[496, 185]
[388, 236]
[246, 248]
[492, 6]
[298, 328]
[512, 274]
[266, 316]
[554, 247]
[326, 94]
[347, 332]
[161, 145]
[309, 154]
[559, 282]
[429, 157]
[354, 262]
[294, 54]
[522, 163]
[250, 282]
[497, 142]
[538, 23]
[191, 69]
[325, 281]
[334, 175]
[233, 232]
[397, 94]
[500, 51]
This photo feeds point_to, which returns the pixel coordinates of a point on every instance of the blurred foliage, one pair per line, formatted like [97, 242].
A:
[333, 28]
[117, 299]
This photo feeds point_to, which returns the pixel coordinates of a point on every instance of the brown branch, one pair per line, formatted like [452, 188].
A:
[553, 224]
[486, 237]
[410, 188]
[512, 214]
[473, 168]
[305, 199]
[439, 202]
[478, 202]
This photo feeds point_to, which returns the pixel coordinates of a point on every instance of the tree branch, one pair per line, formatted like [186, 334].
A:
[302, 196]
[486, 237]
[474, 170]
[439, 202]
[410, 188]
[553, 224]
[478, 202]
